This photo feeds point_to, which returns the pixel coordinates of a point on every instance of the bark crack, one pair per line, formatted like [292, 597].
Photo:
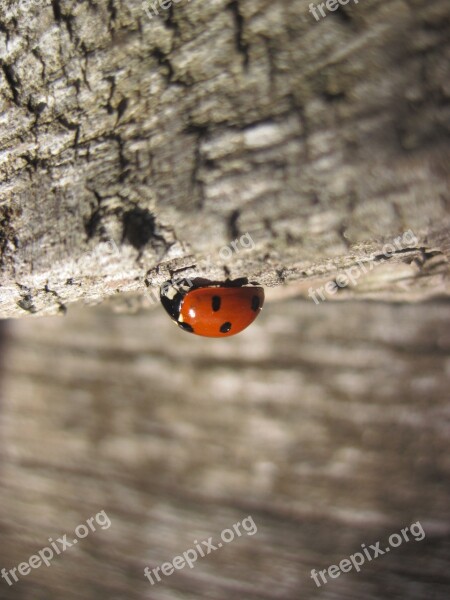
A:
[62, 18]
[12, 81]
[241, 45]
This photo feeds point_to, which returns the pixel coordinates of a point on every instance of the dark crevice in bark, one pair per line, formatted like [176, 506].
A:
[233, 227]
[71, 127]
[13, 83]
[112, 80]
[121, 108]
[62, 307]
[61, 17]
[92, 224]
[112, 12]
[167, 69]
[170, 20]
[164, 62]
[241, 45]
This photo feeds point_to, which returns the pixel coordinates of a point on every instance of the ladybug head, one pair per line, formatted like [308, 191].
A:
[171, 295]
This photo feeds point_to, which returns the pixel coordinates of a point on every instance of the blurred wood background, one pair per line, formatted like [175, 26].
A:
[328, 424]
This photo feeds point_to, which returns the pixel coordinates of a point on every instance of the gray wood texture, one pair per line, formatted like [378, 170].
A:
[170, 137]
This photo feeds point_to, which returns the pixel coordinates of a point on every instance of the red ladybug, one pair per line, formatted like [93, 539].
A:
[214, 311]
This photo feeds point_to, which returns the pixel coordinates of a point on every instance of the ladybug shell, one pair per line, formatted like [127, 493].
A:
[220, 311]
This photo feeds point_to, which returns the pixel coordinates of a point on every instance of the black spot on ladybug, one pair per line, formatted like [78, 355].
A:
[186, 327]
[216, 303]
[255, 303]
[225, 328]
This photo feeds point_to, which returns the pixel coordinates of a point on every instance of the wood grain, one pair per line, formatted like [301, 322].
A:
[172, 137]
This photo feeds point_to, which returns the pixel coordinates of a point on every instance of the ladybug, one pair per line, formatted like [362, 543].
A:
[213, 310]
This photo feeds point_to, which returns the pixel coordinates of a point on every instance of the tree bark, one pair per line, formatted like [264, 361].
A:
[134, 148]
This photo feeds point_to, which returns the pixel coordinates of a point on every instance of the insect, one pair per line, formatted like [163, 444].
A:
[213, 310]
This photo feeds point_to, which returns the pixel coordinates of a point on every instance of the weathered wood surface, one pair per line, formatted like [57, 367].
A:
[328, 424]
[172, 136]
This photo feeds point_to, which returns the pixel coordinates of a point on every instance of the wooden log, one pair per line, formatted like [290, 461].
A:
[132, 147]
